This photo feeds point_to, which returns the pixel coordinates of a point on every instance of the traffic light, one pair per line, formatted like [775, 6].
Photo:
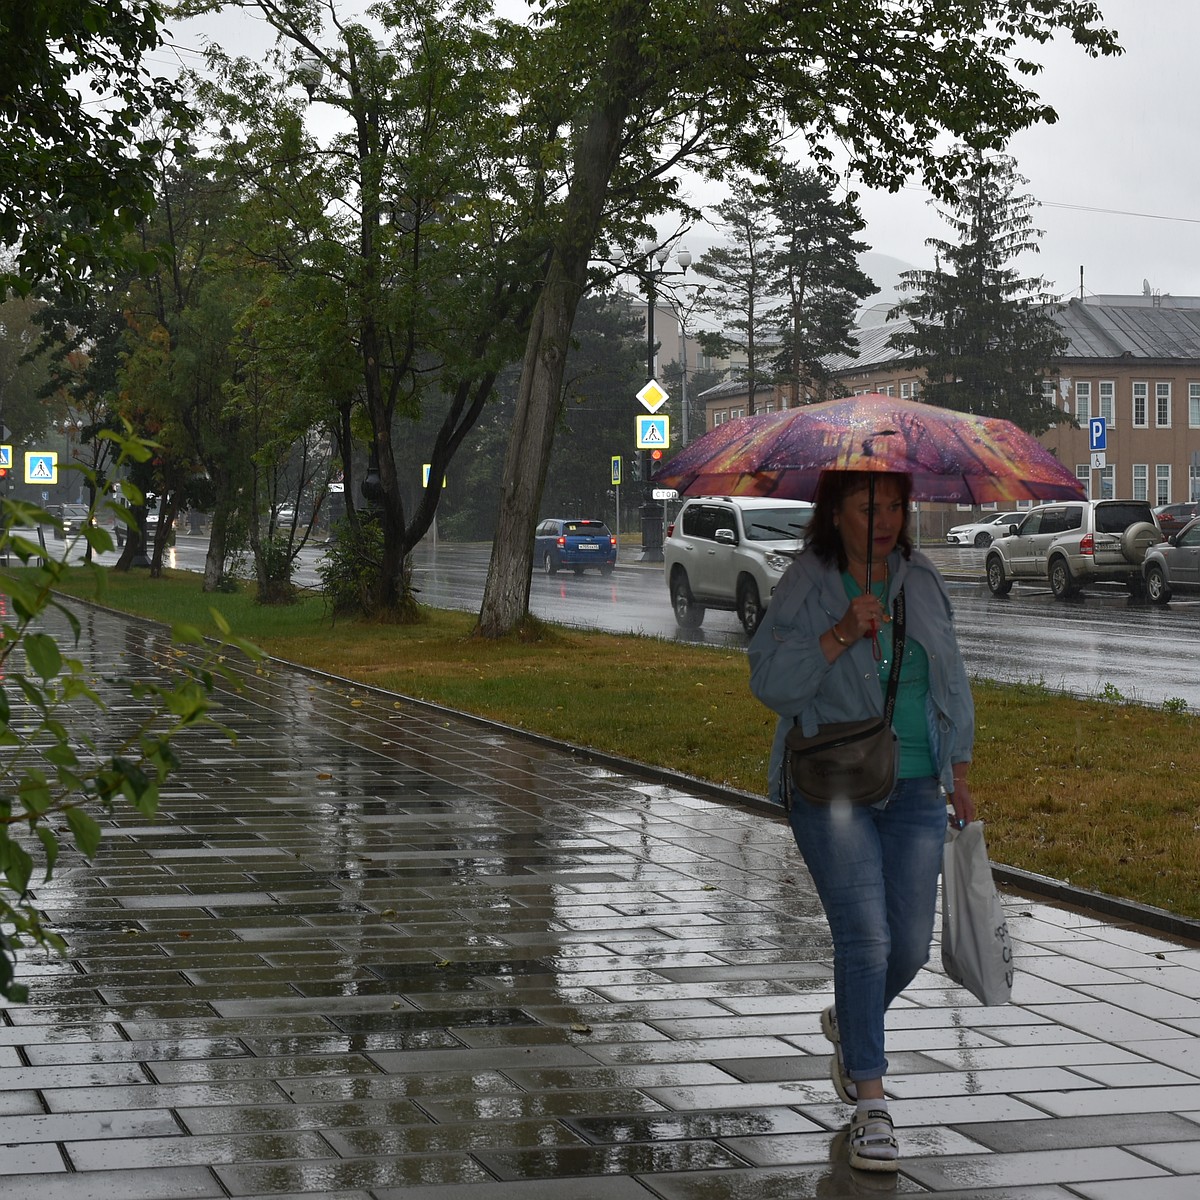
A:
[635, 468]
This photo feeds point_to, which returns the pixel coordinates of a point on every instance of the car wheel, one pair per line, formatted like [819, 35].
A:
[997, 583]
[688, 613]
[1137, 539]
[1062, 583]
[1157, 588]
[548, 564]
[749, 606]
[983, 538]
[607, 569]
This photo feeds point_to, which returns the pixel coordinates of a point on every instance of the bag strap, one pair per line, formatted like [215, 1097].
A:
[897, 655]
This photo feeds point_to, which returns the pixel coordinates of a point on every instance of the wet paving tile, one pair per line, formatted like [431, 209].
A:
[314, 977]
[1034, 1167]
[167, 1183]
[628, 1159]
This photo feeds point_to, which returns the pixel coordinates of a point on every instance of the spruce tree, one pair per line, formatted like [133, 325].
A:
[984, 334]
[738, 294]
[815, 276]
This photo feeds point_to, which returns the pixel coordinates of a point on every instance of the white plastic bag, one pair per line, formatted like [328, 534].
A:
[976, 951]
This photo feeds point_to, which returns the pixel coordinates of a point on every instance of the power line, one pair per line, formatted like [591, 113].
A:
[1119, 212]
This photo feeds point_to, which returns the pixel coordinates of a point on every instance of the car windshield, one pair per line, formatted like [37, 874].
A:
[1116, 518]
[772, 524]
[586, 528]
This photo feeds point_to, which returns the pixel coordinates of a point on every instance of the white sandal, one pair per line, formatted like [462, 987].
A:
[842, 1083]
[873, 1145]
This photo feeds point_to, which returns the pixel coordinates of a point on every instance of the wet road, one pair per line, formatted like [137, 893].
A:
[1089, 646]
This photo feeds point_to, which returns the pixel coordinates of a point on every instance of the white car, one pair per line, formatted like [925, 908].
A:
[729, 552]
[984, 531]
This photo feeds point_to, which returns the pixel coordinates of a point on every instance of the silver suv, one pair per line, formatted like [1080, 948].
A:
[729, 552]
[1073, 544]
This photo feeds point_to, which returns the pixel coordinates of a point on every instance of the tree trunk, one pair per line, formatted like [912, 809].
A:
[506, 594]
[214, 560]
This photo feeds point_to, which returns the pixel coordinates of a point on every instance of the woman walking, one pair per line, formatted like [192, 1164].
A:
[822, 654]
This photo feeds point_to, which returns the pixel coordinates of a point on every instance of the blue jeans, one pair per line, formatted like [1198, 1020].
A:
[876, 870]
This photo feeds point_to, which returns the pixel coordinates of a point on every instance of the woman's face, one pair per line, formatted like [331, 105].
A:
[853, 515]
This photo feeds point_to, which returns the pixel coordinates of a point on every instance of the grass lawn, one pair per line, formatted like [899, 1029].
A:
[1102, 794]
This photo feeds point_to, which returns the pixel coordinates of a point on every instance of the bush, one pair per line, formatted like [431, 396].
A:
[275, 560]
[351, 569]
[49, 774]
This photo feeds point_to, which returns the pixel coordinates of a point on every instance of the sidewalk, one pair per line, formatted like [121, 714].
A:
[378, 951]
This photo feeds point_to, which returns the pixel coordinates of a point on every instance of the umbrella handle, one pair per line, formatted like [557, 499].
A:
[876, 648]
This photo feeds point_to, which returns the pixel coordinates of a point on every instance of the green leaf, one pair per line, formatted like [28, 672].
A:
[19, 868]
[42, 654]
[34, 793]
[50, 846]
[85, 830]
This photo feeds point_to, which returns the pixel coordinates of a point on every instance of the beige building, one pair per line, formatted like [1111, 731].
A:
[1133, 360]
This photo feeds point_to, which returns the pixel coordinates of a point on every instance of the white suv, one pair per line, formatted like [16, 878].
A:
[729, 552]
[1072, 544]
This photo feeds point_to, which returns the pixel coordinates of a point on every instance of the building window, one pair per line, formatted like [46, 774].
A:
[1108, 407]
[1141, 476]
[1108, 482]
[916, 389]
[1162, 483]
[1083, 472]
[1162, 406]
[735, 413]
[905, 391]
[1141, 392]
[1050, 392]
[1194, 405]
[1083, 403]
[768, 407]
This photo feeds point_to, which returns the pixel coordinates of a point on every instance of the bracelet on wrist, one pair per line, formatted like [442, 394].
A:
[837, 637]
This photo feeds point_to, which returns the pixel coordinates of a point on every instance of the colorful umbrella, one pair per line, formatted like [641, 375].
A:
[953, 457]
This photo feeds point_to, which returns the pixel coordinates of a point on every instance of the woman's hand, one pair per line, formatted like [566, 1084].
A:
[863, 618]
[964, 806]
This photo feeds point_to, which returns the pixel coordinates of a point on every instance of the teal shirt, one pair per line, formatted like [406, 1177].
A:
[910, 718]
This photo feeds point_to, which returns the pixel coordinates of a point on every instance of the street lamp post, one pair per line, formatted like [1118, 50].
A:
[70, 428]
[652, 510]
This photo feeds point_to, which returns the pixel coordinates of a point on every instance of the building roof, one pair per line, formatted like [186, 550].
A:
[1148, 328]
[873, 348]
[1133, 327]
[734, 387]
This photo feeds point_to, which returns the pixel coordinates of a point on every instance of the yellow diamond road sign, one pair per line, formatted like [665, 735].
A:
[652, 397]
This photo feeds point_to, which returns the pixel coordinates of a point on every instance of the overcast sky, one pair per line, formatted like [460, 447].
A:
[1117, 177]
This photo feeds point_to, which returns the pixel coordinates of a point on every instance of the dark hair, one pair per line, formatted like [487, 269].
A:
[822, 536]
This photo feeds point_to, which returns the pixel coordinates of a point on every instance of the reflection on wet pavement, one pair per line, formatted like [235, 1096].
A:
[375, 950]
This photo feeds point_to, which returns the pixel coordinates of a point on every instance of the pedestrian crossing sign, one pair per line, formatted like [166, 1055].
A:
[41, 466]
[653, 433]
[5, 458]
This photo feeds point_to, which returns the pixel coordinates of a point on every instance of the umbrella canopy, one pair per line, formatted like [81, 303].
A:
[953, 457]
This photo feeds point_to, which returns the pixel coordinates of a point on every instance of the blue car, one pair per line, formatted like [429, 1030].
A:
[560, 542]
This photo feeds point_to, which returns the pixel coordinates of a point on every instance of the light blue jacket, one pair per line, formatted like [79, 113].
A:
[790, 674]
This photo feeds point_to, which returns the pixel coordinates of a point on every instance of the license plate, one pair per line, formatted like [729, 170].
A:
[588, 546]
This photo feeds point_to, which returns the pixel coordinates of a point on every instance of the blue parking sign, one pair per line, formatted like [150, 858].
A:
[1098, 434]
